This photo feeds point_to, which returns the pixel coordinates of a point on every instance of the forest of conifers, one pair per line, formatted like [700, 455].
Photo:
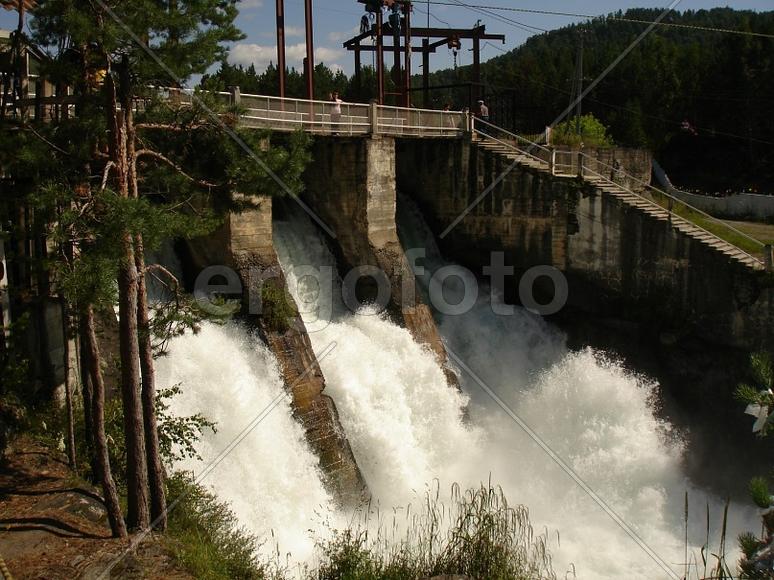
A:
[722, 84]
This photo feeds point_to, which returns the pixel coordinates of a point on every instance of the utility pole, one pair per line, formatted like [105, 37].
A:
[407, 60]
[281, 46]
[309, 49]
[579, 86]
[379, 56]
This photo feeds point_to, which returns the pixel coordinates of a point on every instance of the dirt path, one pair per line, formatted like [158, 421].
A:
[54, 526]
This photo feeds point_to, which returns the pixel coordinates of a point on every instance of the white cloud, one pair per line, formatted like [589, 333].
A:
[294, 31]
[339, 36]
[290, 32]
[261, 55]
[250, 4]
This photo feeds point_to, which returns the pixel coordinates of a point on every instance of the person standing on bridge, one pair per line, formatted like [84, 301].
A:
[483, 111]
[335, 113]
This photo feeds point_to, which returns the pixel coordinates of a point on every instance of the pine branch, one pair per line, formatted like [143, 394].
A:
[158, 267]
[105, 174]
[173, 165]
[166, 127]
[46, 141]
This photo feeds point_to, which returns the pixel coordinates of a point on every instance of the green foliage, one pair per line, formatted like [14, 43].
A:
[720, 83]
[178, 435]
[17, 397]
[485, 538]
[12, 418]
[187, 40]
[759, 491]
[326, 81]
[592, 133]
[277, 309]
[748, 543]
[762, 373]
[205, 536]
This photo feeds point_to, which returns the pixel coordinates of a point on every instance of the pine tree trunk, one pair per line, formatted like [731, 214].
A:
[101, 457]
[155, 468]
[138, 516]
[87, 396]
[158, 499]
[71, 456]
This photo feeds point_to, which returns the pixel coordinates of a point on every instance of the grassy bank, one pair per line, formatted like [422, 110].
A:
[476, 534]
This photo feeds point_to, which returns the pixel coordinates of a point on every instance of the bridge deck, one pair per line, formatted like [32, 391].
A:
[358, 119]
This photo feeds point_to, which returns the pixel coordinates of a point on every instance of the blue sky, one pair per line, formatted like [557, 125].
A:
[336, 20]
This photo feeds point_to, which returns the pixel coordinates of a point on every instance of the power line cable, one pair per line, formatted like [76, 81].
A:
[431, 15]
[501, 18]
[608, 18]
[485, 9]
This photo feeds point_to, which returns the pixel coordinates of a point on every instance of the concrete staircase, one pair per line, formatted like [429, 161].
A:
[633, 200]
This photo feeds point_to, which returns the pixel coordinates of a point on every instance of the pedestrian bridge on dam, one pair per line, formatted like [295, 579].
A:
[348, 120]
[360, 120]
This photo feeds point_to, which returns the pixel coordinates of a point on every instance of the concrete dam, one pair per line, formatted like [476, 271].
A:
[392, 396]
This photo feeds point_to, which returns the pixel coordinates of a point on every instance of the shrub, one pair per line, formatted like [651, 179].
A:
[204, 534]
[479, 535]
[593, 133]
[277, 309]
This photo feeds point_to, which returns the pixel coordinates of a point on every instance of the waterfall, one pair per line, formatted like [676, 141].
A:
[409, 432]
[406, 425]
[403, 422]
[596, 415]
[271, 478]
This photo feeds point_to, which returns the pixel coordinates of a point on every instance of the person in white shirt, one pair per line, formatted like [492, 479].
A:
[335, 113]
[483, 111]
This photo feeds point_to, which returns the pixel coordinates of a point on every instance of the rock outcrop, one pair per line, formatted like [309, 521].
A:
[244, 244]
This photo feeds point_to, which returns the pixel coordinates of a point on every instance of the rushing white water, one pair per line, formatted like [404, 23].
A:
[271, 477]
[402, 420]
[406, 427]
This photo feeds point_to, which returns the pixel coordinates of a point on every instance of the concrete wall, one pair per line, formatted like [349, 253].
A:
[244, 242]
[350, 184]
[619, 262]
[636, 163]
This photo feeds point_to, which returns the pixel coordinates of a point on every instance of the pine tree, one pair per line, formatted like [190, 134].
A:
[186, 45]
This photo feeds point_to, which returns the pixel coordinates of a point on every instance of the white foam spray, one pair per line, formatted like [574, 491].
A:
[406, 428]
[271, 478]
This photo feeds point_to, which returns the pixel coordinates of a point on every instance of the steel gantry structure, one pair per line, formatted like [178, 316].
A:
[399, 29]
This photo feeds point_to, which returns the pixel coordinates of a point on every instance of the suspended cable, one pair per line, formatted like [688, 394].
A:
[501, 18]
[608, 18]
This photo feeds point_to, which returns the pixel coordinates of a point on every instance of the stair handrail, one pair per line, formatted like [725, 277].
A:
[518, 150]
[477, 120]
[681, 202]
[675, 199]
[621, 172]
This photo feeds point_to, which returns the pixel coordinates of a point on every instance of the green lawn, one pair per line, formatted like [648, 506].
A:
[722, 229]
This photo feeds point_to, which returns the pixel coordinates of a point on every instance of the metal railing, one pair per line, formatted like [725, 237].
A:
[518, 144]
[323, 117]
[575, 163]
[403, 122]
[329, 118]
[692, 215]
